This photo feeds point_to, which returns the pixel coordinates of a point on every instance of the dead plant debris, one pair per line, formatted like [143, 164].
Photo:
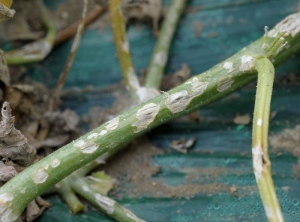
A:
[242, 119]
[36, 208]
[171, 81]
[13, 144]
[143, 10]
[183, 145]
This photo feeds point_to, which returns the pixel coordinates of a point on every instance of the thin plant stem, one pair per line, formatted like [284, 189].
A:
[77, 183]
[122, 46]
[71, 30]
[64, 188]
[160, 55]
[107, 205]
[214, 84]
[37, 50]
[62, 78]
[261, 161]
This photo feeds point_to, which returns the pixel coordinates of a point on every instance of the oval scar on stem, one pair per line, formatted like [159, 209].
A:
[6, 212]
[93, 135]
[88, 147]
[228, 66]
[55, 163]
[269, 212]
[40, 176]
[79, 143]
[132, 79]
[178, 101]
[105, 202]
[145, 116]
[257, 161]
[85, 189]
[259, 122]
[160, 58]
[125, 46]
[247, 63]
[112, 124]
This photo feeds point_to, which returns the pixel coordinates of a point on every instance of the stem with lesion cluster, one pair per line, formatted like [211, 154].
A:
[261, 161]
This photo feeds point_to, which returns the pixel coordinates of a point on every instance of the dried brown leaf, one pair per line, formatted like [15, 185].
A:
[4, 73]
[35, 208]
[6, 172]
[13, 144]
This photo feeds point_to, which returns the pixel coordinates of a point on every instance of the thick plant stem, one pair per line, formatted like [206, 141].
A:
[62, 78]
[261, 161]
[216, 83]
[122, 46]
[161, 50]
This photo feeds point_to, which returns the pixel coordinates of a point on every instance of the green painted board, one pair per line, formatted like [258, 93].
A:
[234, 24]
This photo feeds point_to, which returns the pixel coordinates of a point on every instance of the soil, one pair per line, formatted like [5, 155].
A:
[288, 141]
[134, 165]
